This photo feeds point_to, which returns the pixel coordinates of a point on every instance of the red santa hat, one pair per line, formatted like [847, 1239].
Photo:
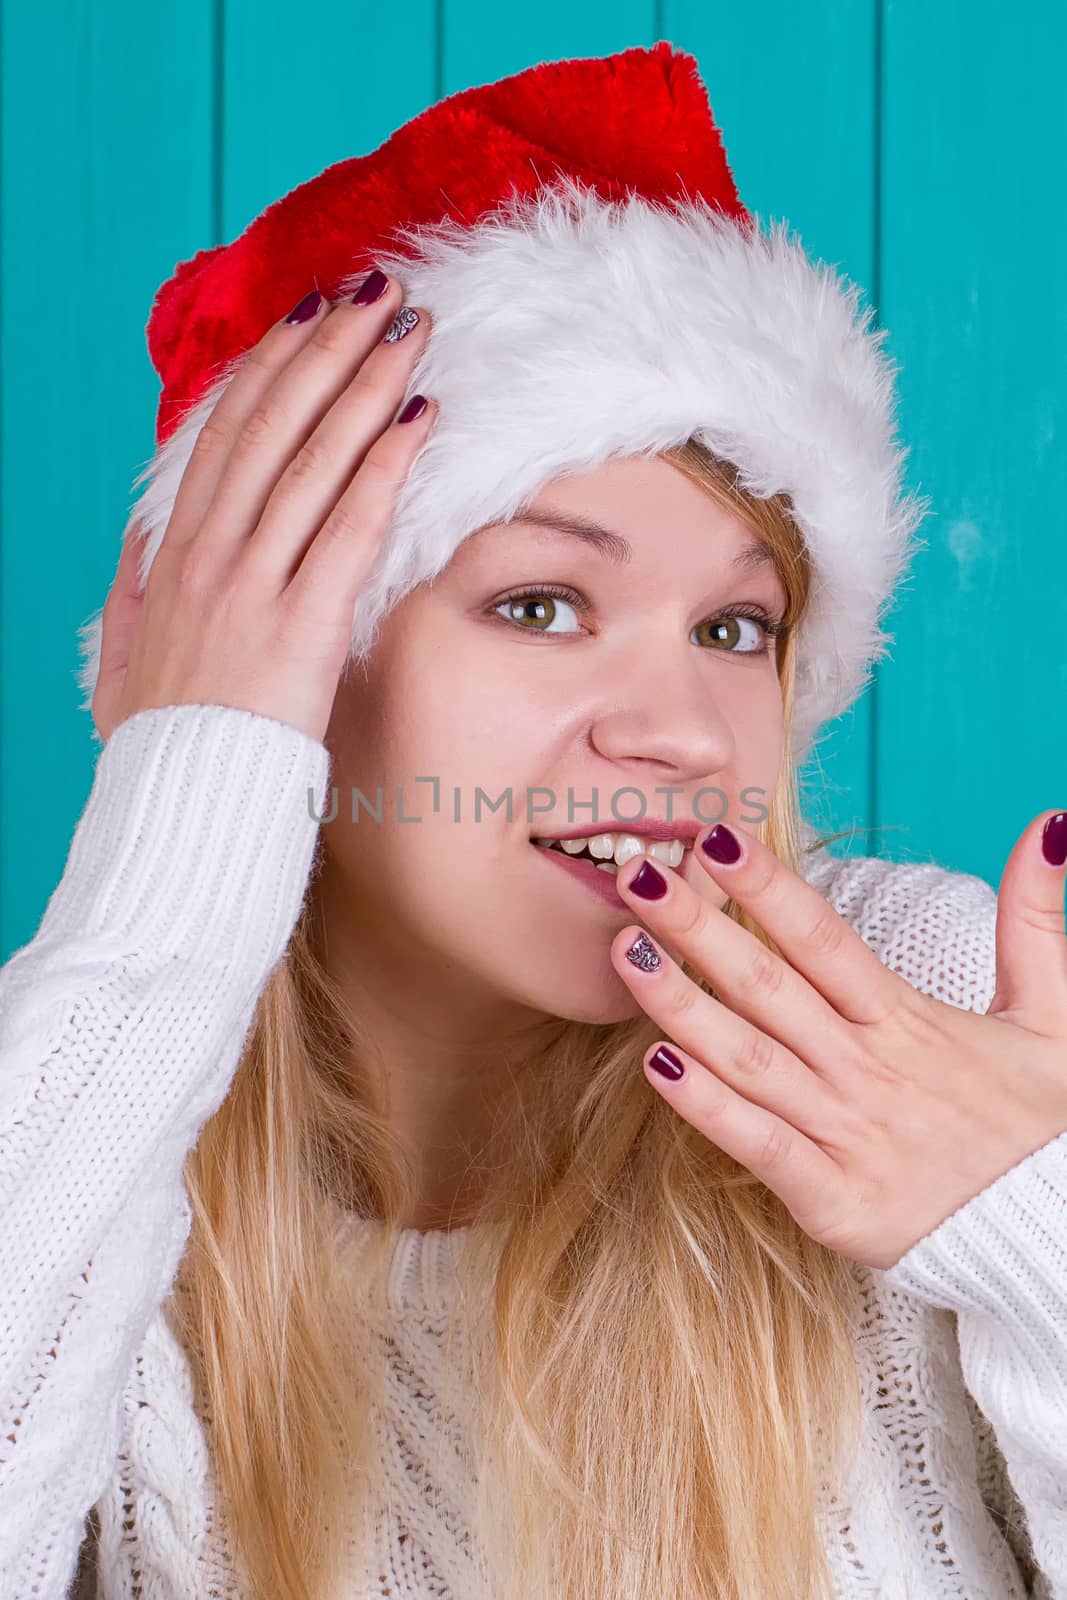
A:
[597, 290]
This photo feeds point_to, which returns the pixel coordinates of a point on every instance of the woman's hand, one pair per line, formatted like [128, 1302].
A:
[291, 484]
[873, 1111]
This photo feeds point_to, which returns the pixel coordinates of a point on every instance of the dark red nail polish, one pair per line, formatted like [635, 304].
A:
[721, 845]
[1054, 839]
[371, 289]
[667, 1064]
[305, 309]
[414, 408]
[648, 883]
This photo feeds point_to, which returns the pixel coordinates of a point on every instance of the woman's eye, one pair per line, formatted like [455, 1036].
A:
[536, 611]
[726, 631]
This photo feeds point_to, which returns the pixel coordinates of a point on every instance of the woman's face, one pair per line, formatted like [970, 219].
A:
[638, 680]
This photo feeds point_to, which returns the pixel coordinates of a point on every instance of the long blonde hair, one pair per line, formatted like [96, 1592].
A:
[666, 1379]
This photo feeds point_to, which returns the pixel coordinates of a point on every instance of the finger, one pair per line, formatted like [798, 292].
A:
[1031, 935]
[273, 456]
[750, 1061]
[242, 396]
[811, 935]
[346, 456]
[805, 1179]
[341, 554]
[753, 980]
[273, 447]
[122, 605]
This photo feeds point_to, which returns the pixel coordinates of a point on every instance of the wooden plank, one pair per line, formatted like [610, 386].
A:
[971, 744]
[297, 99]
[108, 179]
[557, 30]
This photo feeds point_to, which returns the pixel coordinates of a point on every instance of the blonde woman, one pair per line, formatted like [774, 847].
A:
[461, 1134]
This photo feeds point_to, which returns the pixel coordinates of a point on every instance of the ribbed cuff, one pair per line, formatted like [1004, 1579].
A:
[197, 839]
[1004, 1254]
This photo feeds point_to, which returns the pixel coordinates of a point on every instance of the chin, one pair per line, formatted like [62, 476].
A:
[615, 1004]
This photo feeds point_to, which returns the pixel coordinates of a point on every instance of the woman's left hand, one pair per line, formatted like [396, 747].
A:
[872, 1110]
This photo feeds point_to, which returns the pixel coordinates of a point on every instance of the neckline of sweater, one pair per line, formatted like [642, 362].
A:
[422, 1268]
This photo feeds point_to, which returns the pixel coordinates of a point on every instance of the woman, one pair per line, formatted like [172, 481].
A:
[396, 1203]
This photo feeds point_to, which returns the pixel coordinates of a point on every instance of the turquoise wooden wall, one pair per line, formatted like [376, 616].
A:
[919, 146]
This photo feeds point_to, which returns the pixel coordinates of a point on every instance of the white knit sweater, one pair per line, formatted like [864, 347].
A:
[121, 1025]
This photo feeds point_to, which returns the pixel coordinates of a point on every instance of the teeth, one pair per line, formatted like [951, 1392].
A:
[669, 851]
[629, 845]
[618, 848]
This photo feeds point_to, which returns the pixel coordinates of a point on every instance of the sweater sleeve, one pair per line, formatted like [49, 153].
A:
[121, 1025]
[1000, 1261]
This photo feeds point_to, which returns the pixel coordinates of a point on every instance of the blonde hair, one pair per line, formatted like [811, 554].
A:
[665, 1371]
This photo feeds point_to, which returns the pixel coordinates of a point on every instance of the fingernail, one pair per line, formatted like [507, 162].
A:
[648, 883]
[414, 408]
[721, 845]
[305, 309]
[666, 1063]
[1054, 839]
[371, 289]
[644, 954]
[401, 325]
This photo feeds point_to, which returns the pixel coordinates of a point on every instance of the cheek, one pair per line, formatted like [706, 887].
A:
[758, 726]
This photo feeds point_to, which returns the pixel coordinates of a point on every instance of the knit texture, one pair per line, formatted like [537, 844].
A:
[121, 1026]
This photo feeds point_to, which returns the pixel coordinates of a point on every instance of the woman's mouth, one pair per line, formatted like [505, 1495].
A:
[595, 861]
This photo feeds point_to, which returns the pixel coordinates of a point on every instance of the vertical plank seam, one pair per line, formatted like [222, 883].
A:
[439, 50]
[218, 110]
[873, 769]
[5, 765]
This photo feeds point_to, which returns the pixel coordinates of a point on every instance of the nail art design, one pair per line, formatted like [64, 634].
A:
[644, 954]
[401, 325]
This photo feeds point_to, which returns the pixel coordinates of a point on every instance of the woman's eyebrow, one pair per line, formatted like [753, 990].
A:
[612, 544]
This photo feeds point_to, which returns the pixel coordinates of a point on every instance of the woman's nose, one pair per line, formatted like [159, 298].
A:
[668, 714]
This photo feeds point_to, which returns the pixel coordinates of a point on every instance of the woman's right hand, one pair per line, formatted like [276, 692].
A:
[289, 489]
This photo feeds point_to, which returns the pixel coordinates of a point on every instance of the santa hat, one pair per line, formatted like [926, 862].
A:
[597, 290]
